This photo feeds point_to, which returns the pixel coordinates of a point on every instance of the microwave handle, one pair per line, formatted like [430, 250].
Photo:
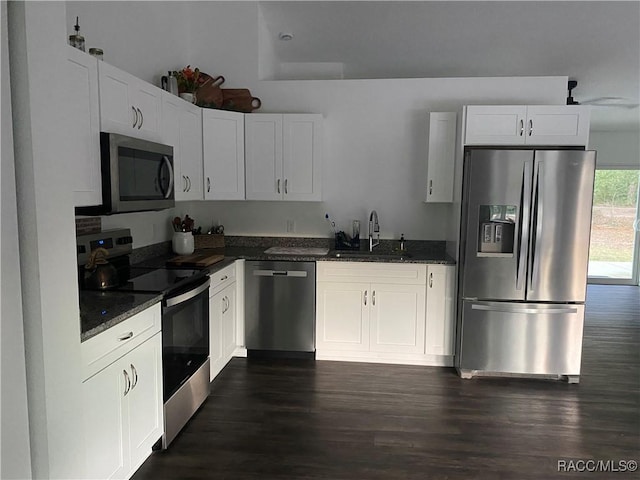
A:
[167, 194]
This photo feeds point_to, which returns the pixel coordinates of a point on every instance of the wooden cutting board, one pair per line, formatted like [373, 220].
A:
[195, 260]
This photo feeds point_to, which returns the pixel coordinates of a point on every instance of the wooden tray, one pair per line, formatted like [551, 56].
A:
[208, 241]
[195, 260]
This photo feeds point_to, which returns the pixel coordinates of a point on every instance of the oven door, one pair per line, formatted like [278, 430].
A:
[185, 334]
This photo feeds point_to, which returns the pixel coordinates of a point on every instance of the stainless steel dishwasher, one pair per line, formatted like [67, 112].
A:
[280, 308]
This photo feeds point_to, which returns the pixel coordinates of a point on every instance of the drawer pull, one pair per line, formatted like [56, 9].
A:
[224, 278]
[126, 336]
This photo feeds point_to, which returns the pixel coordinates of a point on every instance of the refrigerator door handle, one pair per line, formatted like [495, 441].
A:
[492, 307]
[536, 226]
[523, 236]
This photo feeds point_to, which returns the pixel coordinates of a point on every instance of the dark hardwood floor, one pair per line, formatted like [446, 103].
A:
[285, 419]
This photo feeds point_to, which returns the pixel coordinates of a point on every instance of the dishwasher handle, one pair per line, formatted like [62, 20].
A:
[279, 273]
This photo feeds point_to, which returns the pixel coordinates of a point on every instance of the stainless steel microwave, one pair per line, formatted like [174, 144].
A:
[137, 175]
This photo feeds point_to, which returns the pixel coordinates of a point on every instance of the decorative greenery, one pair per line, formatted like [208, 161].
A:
[188, 79]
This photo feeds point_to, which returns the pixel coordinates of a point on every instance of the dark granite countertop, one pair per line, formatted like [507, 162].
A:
[102, 310]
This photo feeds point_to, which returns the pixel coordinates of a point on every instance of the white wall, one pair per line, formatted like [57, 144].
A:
[616, 149]
[14, 439]
[47, 241]
[144, 38]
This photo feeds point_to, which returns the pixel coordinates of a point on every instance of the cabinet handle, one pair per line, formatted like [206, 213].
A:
[208, 184]
[373, 298]
[521, 127]
[530, 127]
[135, 117]
[126, 336]
[134, 373]
[184, 183]
[188, 183]
[141, 118]
[222, 279]
[127, 383]
[278, 185]
[431, 280]
[430, 187]
[365, 297]
[286, 188]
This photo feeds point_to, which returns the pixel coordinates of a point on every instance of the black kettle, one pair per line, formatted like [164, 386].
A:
[99, 273]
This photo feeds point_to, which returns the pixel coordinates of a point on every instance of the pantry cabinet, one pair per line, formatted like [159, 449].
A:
[527, 125]
[122, 411]
[223, 147]
[83, 127]
[128, 105]
[182, 129]
[283, 154]
[222, 318]
[370, 307]
[441, 157]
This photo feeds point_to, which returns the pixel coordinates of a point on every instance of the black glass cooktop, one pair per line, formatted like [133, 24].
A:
[162, 280]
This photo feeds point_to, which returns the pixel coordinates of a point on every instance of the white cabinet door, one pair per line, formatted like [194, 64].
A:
[495, 125]
[263, 156]
[441, 159]
[144, 364]
[229, 321]
[527, 125]
[182, 129]
[342, 316]
[223, 145]
[105, 417]
[83, 126]
[397, 318]
[191, 151]
[440, 310]
[302, 157]
[128, 105]
[557, 125]
[216, 349]
[283, 156]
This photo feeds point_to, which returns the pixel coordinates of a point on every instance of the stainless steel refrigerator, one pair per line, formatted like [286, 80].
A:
[526, 221]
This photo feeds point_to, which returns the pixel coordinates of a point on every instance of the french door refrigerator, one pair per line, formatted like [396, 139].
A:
[526, 221]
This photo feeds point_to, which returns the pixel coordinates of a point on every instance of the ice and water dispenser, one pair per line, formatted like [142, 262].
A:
[496, 229]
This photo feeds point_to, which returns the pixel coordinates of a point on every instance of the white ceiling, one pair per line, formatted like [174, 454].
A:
[597, 43]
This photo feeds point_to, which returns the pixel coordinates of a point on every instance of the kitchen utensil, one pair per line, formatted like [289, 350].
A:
[239, 100]
[209, 94]
[332, 223]
[182, 243]
[196, 260]
[99, 273]
[177, 224]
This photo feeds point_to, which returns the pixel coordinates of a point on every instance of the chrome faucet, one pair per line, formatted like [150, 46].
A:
[374, 227]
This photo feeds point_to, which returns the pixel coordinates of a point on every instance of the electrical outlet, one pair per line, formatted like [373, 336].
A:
[291, 226]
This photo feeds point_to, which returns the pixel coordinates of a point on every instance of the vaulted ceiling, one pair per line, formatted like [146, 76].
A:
[596, 43]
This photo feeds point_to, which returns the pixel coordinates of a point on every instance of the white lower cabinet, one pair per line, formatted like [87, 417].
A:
[383, 312]
[123, 411]
[222, 318]
[440, 310]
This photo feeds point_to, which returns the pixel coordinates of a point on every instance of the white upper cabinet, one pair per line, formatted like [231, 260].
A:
[182, 129]
[441, 159]
[527, 125]
[128, 105]
[223, 154]
[83, 126]
[283, 157]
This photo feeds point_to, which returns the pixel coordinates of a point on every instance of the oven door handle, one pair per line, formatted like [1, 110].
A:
[183, 297]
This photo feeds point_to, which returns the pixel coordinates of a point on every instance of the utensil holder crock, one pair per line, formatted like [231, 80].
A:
[182, 243]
